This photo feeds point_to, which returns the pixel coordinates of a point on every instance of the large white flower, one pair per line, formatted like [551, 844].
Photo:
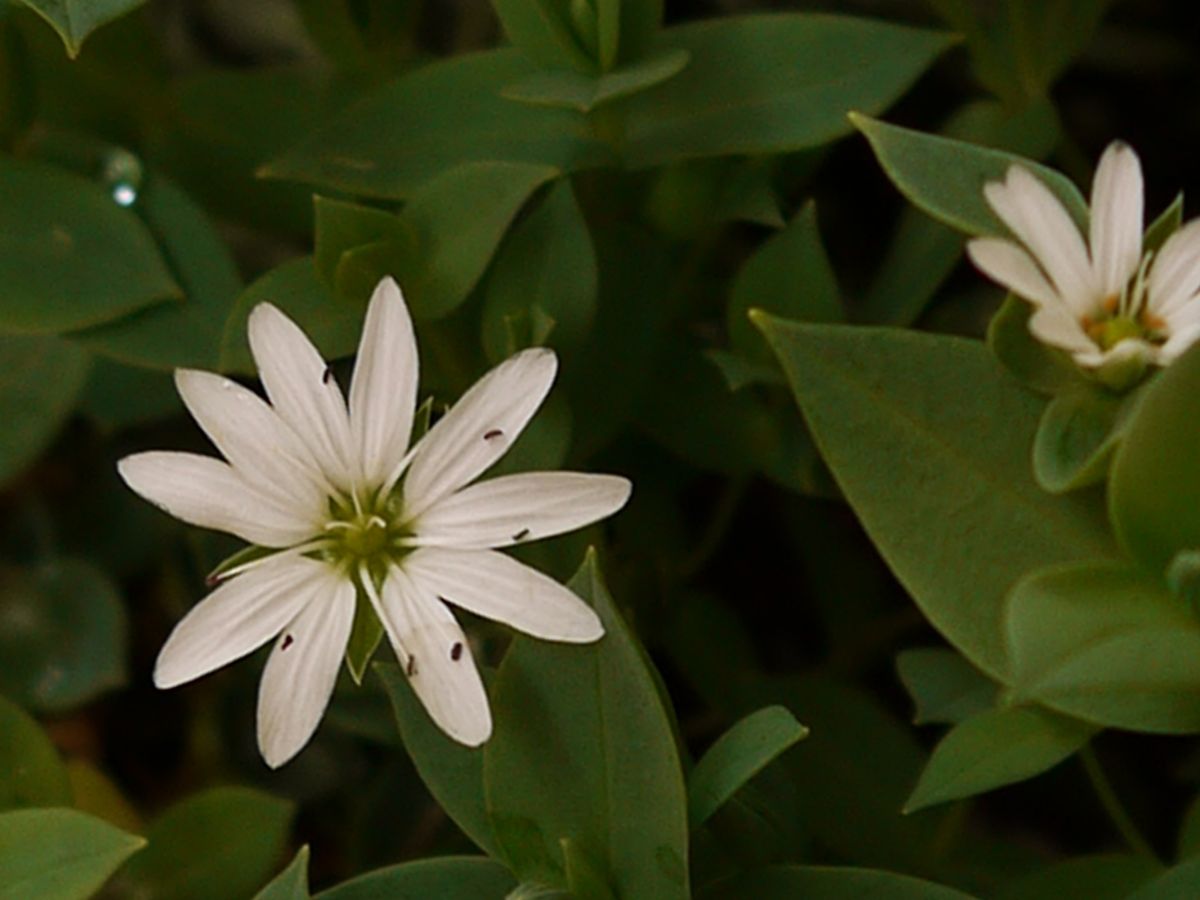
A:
[1106, 302]
[346, 506]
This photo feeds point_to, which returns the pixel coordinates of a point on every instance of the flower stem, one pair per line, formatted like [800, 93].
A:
[1112, 804]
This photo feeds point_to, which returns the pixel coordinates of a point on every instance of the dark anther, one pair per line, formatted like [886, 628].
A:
[328, 376]
[411, 668]
[288, 640]
[456, 651]
[521, 535]
[493, 434]
[212, 580]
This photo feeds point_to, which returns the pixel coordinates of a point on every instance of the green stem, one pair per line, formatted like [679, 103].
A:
[1113, 806]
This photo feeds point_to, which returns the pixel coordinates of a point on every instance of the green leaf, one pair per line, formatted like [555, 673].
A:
[40, 385]
[291, 883]
[737, 756]
[994, 748]
[117, 396]
[31, 773]
[74, 20]
[1179, 883]
[176, 335]
[232, 837]
[583, 749]
[584, 880]
[59, 854]
[640, 23]
[945, 687]
[1106, 642]
[63, 635]
[1077, 435]
[827, 883]
[1155, 480]
[740, 372]
[294, 287]
[446, 878]
[945, 177]
[1188, 842]
[453, 773]
[1165, 225]
[743, 92]
[542, 30]
[788, 276]
[547, 264]
[342, 226]
[929, 441]
[582, 92]
[1039, 367]
[365, 636]
[70, 256]
[437, 118]
[1108, 877]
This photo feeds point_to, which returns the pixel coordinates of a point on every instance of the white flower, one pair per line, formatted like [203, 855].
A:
[1106, 302]
[346, 506]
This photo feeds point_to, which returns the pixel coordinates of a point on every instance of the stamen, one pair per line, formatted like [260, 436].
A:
[298, 550]
[456, 651]
[493, 434]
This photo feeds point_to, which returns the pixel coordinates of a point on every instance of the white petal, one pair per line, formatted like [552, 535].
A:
[436, 658]
[498, 587]
[303, 667]
[1175, 274]
[1055, 326]
[238, 618]
[254, 439]
[1116, 218]
[479, 428]
[207, 492]
[302, 390]
[518, 508]
[1006, 263]
[383, 392]
[1124, 351]
[1179, 341]
[1037, 217]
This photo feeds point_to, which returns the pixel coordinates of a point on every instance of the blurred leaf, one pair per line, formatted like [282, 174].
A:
[583, 749]
[945, 177]
[342, 226]
[31, 773]
[690, 200]
[1039, 367]
[1188, 842]
[827, 883]
[1077, 435]
[291, 883]
[1165, 225]
[737, 756]
[640, 22]
[789, 276]
[232, 837]
[929, 441]
[96, 795]
[1181, 882]
[1106, 642]
[1109, 877]
[740, 372]
[452, 772]
[118, 396]
[584, 92]
[176, 335]
[547, 263]
[444, 878]
[62, 634]
[1155, 480]
[439, 117]
[70, 256]
[743, 92]
[74, 20]
[995, 748]
[944, 687]
[59, 854]
[39, 388]
[542, 30]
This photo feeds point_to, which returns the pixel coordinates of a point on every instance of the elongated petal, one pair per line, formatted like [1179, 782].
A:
[1175, 274]
[1036, 217]
[1055, 326]
[383, 392]
[517, 508]
[498, 587]
[238, 618]
[1006, 263]
[436, 658]
[254, 439]
[1116, 218]
[207, 492]
[1179, 341]
[302, 390]
[479, 428]
[302, 669]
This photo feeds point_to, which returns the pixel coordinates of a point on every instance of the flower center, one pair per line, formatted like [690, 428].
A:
[361, 533]
[1127, 316]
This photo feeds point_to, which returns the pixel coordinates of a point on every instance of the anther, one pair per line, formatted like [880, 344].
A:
[493, 434]
[411, 668]
[288, 640]
[456, 651]
[521, 535]
[328, 375]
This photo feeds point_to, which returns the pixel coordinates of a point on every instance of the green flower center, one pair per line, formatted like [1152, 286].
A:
[365, 533]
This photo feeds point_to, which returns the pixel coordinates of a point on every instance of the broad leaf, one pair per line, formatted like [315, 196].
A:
[59, 854]
[944, 687]
[74, 20]
[342, 226]
[291, 883]
[1109, 877]
[543, 30]
[1077, 435]
[446, 878]
[1179, 883]
[1039, 367]
[574, 90]
[827, 883]
[31, 773]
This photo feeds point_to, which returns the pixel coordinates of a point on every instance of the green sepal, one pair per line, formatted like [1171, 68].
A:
[365, 635]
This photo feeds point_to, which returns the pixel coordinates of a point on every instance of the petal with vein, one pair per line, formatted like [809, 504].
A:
[383, 391]
[1037, 217]
[209, 493]
[1116, 218]
[1175, 274]
[303, 667]
[436, 658]
[1179, 341]
[498, 587]
[1055, 326]
[238, 618]
[478, 429]
[513, 509]
[1010, 266]
[301, 390]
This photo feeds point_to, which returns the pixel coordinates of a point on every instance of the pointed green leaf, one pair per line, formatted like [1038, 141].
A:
[1108, 877]
[582, 92]
[542, 30]
[444, 878]
[342, 226]
[1039, 367]
[74, 20]
[945, 687]
[291, 883]
[1165, 225]
[365, 635]
[31, 772]
[1077, 435]
[827, 883]
[1179, 883]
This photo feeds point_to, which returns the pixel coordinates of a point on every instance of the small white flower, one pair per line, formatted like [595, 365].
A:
[345, 507]
[1106, 302]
